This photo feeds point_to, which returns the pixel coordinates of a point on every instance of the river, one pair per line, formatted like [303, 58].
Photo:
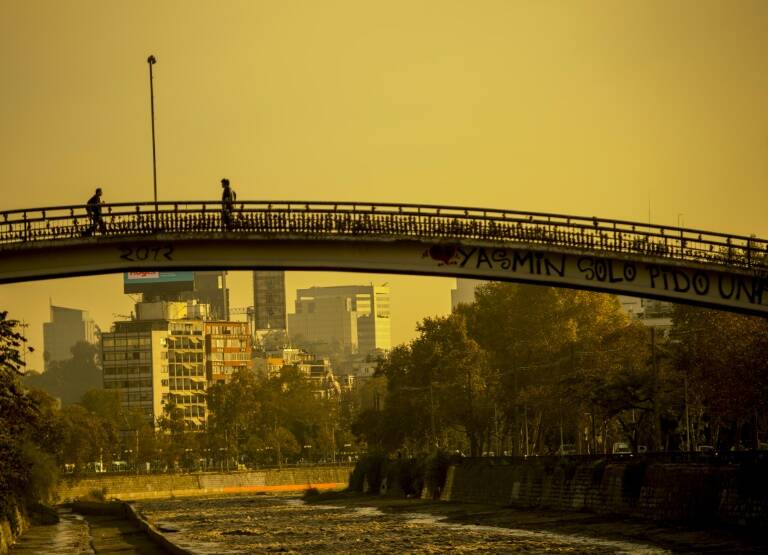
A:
[269, 524]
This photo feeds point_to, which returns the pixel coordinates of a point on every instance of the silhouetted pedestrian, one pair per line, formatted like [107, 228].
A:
[228, 198]
[93, 208]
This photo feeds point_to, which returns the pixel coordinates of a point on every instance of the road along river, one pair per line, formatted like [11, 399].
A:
[269, 524]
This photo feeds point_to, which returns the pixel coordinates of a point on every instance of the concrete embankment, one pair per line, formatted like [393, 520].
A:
[700, 494]
[117, 527]
[127, 487]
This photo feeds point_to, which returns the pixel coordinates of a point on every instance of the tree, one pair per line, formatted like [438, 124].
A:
[446, 356]
[441, 380]
[27, 471]
[533, 336]
[619, 379]
[12, 344]
[70, 379]
[260, 419]
[235, 412]
[723, 359]
[85, 438]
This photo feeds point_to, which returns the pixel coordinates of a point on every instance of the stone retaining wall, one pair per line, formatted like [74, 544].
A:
[178, 485]
[700, 493]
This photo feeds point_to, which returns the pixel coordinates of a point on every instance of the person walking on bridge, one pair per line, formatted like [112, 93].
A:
[93, 208]
[228, 198]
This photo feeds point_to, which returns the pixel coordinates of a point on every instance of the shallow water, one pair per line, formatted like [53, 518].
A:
[261, 524]
[69, 536]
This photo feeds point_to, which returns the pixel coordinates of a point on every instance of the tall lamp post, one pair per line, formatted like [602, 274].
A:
[152, 61]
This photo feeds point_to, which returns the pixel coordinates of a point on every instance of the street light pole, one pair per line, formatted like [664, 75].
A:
[152, 61]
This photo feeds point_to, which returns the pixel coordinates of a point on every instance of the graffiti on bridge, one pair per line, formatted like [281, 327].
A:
[604, 273]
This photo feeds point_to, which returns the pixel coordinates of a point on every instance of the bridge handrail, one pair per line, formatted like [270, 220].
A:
[27, 225]
[460, 211]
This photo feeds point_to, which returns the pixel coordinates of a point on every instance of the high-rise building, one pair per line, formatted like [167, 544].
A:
[269, 300]
[353, 318]
[67, 327]
[465, 291]
[211, 289]
[324, 325]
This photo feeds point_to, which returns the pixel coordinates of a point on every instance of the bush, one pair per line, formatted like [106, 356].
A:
[634, 477]
[412, 477]
[96, 494]
[357, 477]
[43, 474]
[42, 514]
[569, 467]
[311, 492]
[14, 476]
[371, 469]
[436, 469]
[408, 474]
[598, 469]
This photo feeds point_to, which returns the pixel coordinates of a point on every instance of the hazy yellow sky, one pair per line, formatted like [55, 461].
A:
[590, 108]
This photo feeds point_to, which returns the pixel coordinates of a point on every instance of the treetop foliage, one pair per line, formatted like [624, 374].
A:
[525, 369]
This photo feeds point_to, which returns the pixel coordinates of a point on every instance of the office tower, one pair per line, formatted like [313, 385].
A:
[211, 289]
[67, 327]
[352, 319]
[269, 300]
[465, 291]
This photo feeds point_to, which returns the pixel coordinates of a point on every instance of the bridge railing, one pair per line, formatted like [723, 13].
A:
[387, 220]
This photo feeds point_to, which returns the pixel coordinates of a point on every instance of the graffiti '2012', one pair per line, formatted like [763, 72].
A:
[151, 254]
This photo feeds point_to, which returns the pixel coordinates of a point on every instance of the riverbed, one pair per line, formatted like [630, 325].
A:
[347, 523]
[269, 524]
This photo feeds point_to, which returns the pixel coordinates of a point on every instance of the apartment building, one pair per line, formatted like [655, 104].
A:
[161, 358]
[228, 348]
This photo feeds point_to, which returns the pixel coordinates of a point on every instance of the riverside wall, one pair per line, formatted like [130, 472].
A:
[694, 493]
[157, 486]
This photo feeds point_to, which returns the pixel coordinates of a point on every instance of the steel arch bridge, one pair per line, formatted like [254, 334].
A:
[669, 263]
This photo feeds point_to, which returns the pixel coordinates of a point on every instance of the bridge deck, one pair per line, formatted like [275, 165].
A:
[323, 220]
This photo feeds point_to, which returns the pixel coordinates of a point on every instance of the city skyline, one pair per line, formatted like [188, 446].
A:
[504, 261]
[647, 112]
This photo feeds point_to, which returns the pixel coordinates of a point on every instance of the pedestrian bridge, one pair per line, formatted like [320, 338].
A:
[669, 263]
